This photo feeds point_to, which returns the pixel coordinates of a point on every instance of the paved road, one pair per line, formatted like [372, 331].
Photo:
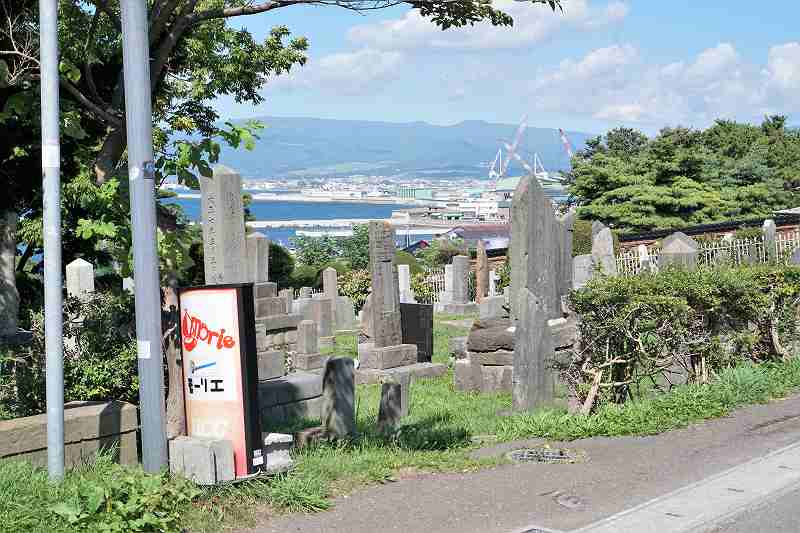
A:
[779, 516]
[621, 473]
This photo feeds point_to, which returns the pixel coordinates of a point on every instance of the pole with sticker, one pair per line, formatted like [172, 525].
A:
[141, 174]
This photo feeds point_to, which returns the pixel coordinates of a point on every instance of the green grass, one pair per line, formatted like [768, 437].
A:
[443, 428]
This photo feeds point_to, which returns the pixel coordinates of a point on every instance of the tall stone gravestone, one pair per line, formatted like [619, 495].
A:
[519, 248]
[344, 320]
[679, 250]
[9, 297]
[404, 277]
[455, 298]
[567, 224]
[224, 247]
[385, 353]
[770, 240]
[537, 301]
[482, 274]
[582, 270]
[603, 249]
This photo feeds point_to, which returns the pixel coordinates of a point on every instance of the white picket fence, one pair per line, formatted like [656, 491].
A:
[718, 253]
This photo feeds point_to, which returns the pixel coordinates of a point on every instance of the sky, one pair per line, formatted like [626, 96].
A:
[601, 64]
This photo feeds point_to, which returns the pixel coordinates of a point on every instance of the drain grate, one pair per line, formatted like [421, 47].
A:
[543, 455]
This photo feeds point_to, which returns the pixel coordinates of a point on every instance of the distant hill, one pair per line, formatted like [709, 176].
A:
[309, 147]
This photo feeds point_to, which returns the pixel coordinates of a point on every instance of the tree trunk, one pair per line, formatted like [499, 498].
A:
[170, 340]
[110, 154]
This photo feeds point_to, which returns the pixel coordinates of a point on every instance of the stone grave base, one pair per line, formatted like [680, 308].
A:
[271, 364]
[416, 371]
[471, 376]
[309, 362]
[387, 357]
[470, 308]
[297, 395]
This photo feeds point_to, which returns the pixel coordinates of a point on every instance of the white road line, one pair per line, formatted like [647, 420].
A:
[701, 505]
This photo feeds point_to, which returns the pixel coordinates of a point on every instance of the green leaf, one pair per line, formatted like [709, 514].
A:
[69, 70]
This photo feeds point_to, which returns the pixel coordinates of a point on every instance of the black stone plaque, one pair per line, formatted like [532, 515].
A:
[417, 326]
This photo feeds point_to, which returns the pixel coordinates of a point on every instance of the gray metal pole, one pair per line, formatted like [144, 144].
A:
[139, 117]
[51, 185]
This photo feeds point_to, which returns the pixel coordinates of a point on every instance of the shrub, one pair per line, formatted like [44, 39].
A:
[504, 273]
[356, 285]
[581, 237]
[639, 331]
[405, 258]
[99, 356]
[304, 276]
[423, 291]
[281, 265]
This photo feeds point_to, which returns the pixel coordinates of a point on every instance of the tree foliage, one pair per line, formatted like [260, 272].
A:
[684, 177]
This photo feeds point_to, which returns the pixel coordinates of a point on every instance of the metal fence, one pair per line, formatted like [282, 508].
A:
[718, 253]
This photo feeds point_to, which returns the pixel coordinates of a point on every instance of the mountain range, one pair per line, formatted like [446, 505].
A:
[313, 147]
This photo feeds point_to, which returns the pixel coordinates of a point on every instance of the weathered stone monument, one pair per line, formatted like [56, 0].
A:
[482, 273]
[80, 279]
[538, 301]
[338, 398]
[567, 224]
[224, 246]
[417, 326]
[603, 249]
[494, 279]
[455, 298]
[385, 354]
[9, 297]
[770, 240]
[679, 250]
[519, 243]
[404, 278]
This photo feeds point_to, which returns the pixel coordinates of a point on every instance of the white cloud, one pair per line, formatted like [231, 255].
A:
[347, 72]
[532, 24]
[615, 83]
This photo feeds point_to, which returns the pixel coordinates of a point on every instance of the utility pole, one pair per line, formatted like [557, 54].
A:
[139, 126]
[51, 185]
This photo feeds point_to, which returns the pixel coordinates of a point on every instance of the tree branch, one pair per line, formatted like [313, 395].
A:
[102, 5]
[229, 12]
[101, 113]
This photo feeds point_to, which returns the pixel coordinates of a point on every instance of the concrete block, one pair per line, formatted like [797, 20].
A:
[274, 305]
[449, 308]
[416, 371]
[278, 322]
[458, 347]
[466, 376]
[492, 307]
[496, 378]
[202, 460]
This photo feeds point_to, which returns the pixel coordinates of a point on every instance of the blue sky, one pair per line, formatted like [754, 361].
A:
[603, 63]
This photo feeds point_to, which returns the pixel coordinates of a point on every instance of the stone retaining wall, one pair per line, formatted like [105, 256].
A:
[88, 428]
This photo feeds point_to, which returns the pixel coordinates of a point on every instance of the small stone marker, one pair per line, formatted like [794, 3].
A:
[277, 452]
[770, 240]
[603, 251]
[389, 411]
[9, 297]
[129, 285]
[404, 280]
[257, 257]
[679, 250]
[645, 262]
[492, 307]
[455, 298]
[224, 246]
[80, 279]
[338, 398]
[482, 274]
[321, 311]
[202, 460]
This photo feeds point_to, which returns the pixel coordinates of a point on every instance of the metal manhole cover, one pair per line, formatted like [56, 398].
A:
[544, 455]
